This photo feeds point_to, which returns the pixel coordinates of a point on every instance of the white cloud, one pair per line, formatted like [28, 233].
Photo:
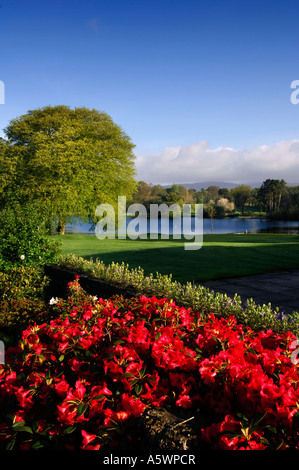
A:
[198, 162]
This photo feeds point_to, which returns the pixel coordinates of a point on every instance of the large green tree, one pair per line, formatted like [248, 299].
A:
[7, 169]
[71, 160]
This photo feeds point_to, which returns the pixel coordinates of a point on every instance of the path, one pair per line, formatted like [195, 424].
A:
[280, 289]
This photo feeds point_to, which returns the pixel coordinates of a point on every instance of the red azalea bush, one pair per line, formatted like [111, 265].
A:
[84, 379]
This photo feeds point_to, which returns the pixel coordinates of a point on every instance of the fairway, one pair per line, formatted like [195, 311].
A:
[221, 256]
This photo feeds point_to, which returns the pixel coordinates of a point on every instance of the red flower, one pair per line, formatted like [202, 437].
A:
[184, 401]
[77, 393]
[133, 406]
[61, 387]
[24, 398]
[66, 413]
[87, 439]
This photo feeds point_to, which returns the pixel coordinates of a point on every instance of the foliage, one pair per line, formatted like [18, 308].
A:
[273, 196]
[24, 236]
[225, 204]
[270, 194]
[23, 282]
[258, 317]
[7, 168]
[83, 380]
[70, 159]
[17, 314]
[21, 300]
[288, 205]
[241, 195]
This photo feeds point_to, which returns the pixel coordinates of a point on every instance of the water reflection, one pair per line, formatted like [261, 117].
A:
[217, 226]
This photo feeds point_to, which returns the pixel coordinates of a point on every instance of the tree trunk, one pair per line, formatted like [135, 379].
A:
[61, 227]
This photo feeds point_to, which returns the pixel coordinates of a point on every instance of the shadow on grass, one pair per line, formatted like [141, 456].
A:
[210, 262]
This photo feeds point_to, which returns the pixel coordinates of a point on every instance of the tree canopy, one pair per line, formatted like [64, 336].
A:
[241, 195]
[270, 194]
[71, 160]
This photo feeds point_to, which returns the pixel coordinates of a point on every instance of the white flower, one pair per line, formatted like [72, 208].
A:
[53, 301]
[22, 257]
[94, 297]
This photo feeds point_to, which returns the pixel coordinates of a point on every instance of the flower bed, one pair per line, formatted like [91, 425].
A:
[84, 380]
[121, 277]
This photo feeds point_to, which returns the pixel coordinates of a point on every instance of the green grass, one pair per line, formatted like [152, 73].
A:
[221, 256]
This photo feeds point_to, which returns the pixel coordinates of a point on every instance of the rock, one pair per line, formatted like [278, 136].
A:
[163, 430]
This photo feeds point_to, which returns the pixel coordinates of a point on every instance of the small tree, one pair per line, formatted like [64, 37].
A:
[213, 192]
[226, 204]
[211, 210]
[241, 195]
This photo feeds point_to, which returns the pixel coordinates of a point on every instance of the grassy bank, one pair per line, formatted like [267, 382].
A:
[221, 256]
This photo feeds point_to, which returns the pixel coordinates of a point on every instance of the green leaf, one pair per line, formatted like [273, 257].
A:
[99, 397]
[69, 429]
[82, 407]
[280, 445]
[258, 419]
[11, 444]
[251, 350]
[18, 424]
[214, 338]
[24, 429]
[138, 389]
[37, 445]
[271, 428]
[152, 380]
[243, 419]
[119, 341]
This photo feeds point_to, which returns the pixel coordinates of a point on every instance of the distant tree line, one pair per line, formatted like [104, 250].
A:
[273, 198]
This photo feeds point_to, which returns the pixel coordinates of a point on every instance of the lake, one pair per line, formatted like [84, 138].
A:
[225, 225]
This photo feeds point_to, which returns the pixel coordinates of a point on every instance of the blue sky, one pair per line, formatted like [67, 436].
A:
[201, 87]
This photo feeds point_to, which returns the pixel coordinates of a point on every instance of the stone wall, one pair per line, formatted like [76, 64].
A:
[60, 277]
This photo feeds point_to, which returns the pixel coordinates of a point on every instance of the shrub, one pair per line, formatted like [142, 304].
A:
[220, 211]
[225, 204]
[85, 379]
[258, 317]
[23, 236]
[21, 299]
[23, 282]
[15, 315]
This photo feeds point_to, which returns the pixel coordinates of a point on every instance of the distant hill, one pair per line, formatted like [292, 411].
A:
[205, 185]
[221, 184]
